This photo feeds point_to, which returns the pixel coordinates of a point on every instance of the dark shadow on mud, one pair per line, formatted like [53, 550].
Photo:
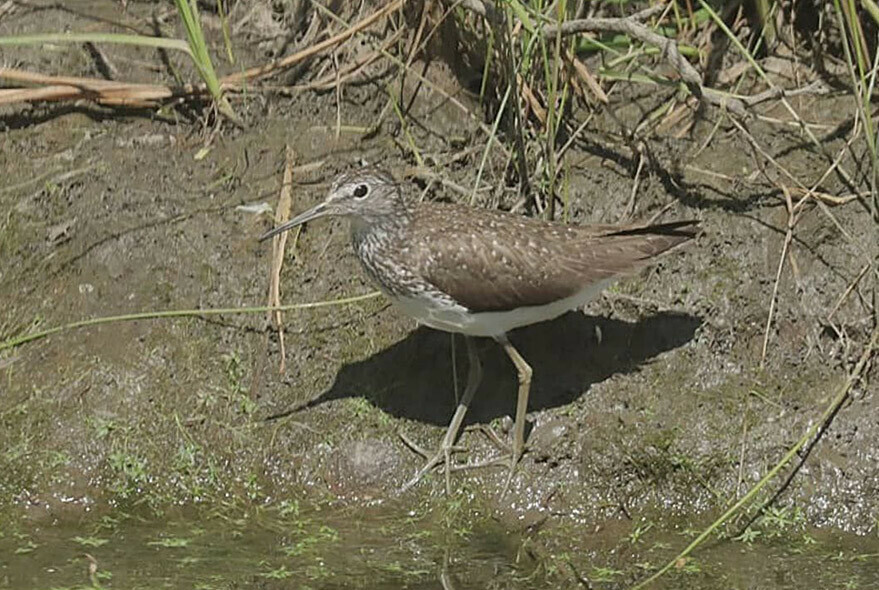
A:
[413, 378]
[41, 113]
[703, 196]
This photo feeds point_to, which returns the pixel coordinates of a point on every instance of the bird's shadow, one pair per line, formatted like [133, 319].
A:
[413, 378]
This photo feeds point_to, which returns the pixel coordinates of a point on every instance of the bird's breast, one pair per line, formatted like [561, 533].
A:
[383, 262]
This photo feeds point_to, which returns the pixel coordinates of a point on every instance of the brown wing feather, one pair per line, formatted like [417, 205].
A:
[494, 261]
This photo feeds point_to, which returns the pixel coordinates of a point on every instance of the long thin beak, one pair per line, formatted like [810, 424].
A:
[313, 213]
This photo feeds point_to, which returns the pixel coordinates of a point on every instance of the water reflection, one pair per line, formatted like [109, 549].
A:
[456, 547]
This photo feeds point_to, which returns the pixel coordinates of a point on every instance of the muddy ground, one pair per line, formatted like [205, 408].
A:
[651, 405]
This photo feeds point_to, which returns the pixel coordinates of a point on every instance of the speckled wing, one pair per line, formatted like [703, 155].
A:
[495, 261]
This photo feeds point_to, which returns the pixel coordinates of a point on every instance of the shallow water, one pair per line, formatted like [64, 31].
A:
[286, 548]
[381, 547]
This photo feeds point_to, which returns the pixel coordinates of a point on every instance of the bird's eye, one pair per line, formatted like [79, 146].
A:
[361, 191]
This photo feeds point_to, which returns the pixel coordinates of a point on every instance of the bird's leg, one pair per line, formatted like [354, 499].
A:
[454, 367]
[524, 371]
[474, 376]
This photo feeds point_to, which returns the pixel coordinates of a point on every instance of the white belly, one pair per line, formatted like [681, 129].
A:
[456, 318]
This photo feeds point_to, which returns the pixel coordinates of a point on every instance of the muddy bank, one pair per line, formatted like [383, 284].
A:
[651, 404]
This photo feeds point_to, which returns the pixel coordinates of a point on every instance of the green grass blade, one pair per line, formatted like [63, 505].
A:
[188, 11]
[227, 34]
[871, 7]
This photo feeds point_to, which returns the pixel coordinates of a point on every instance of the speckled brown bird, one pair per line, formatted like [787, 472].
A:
[480, 272]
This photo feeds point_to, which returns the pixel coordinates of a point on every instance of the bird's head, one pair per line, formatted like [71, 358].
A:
[367, 194]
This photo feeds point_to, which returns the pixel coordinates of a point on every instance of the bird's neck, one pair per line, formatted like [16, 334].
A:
[379, 225]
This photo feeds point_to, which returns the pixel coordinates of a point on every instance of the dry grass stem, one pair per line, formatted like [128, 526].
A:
[58, 88]
[55, 88]
[584, 74]
[263, 71]
[793, 216]
[848, 290]
[279, 243]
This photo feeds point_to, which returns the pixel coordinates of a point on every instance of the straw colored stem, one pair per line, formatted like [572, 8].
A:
[179, 313]
[829, 411]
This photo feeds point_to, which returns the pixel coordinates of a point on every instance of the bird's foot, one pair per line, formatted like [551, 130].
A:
[444, 455]
[508, 456]
[493, 437]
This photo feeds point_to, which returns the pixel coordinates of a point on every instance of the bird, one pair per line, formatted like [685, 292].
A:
[481, 273]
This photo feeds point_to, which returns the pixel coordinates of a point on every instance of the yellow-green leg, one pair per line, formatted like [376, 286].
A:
[474, 377]
[524, 371]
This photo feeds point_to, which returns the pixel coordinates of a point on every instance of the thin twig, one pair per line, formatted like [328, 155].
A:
[630, 208]
[792, 218]
[268, 69]
[668, 48]
[817, 87]
[847, 292]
